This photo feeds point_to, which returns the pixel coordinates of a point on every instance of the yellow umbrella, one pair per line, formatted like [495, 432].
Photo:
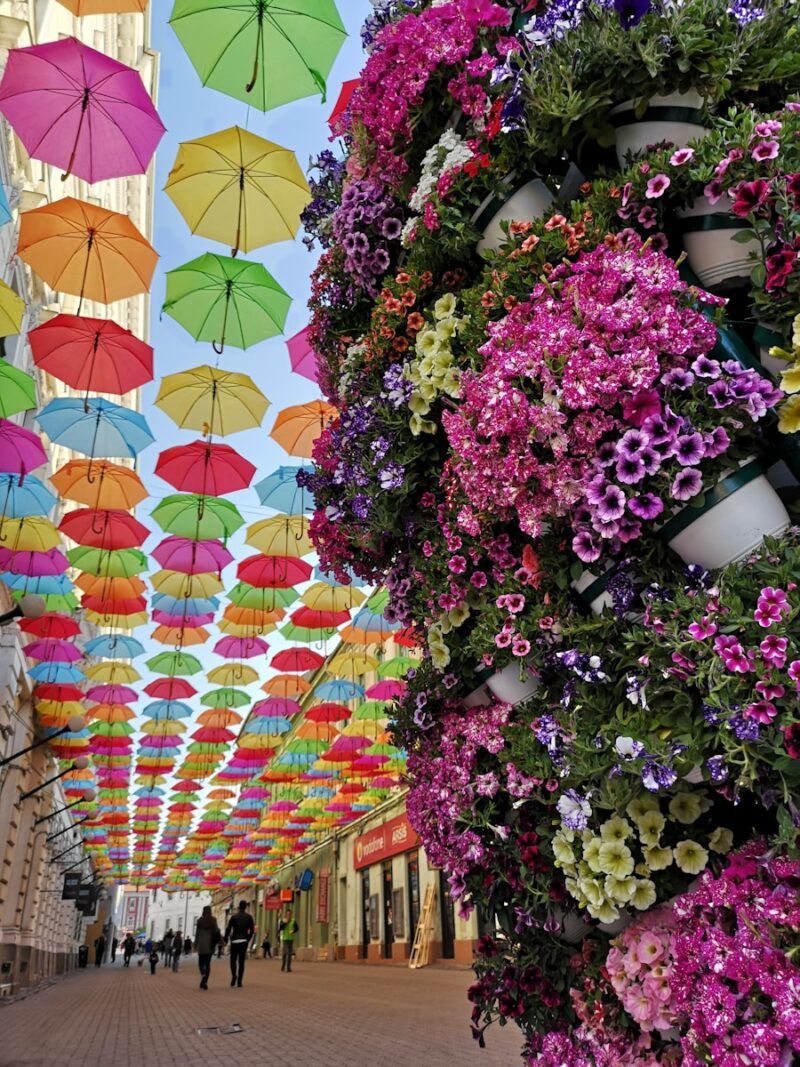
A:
[12, 308]
[283, 535]
[363, 728]
[212, 401]
[113, 671]
[239, 189]
[177, 584]
[168, 728]
[121, 622]
[30, 534]
[323, 597]
[352, 663]
[233, 674]
[235, 629]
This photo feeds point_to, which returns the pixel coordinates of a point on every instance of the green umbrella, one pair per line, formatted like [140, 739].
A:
[17, 390]
[374, 710]
[225, 698]
[251, 596]
[122, 563]
[174, 663]
[397, 667]
[62, 602]
[264, 52]
[200, 518]
[219, 299]
[304, 634]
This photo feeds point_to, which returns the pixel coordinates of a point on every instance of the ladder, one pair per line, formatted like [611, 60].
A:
[421, 949]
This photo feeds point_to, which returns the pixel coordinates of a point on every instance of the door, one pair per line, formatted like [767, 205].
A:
[413, 895]
[448, 913]
[365, 915]
[388, 917]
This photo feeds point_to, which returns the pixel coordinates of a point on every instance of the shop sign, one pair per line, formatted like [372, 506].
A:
[393, 837]
[287, 896]
[273, 903]
[69, 890]
[323, 885]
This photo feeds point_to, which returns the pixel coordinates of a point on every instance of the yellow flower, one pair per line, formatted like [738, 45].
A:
[606, 913]
[445, 329]
[562, 851]
[419, 425]
[691, 857]
[591, 853]
[685, 807]
[440, 656]
[789, 415]
[643, 895]
[780, 353]
[574, 890]
[459, 614]
[721, 840]
[591, 891]
[615, 858]
[616, 829]
[451, 384]
[657, 859]
[790, 378]
[428, 343]
[445, 306]
[620, 890]
[796, 332]
[650, 826]
[418, 404]
[637, 808]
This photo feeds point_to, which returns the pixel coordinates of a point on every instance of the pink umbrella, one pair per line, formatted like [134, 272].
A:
[112, 694]
[191, 557]
[302, 356]
[274, 707]
[386, 690]
[34, 564]
[241, 647]
[20, 450]
[80, 110]
[52, 650]
[192, 621]
[345, 749]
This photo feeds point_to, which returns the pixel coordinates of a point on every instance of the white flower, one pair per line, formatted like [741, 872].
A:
[628, 748]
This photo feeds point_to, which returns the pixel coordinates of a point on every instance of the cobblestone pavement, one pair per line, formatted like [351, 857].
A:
[320, 1015]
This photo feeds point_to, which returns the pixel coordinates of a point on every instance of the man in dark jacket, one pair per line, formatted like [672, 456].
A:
[239, 931]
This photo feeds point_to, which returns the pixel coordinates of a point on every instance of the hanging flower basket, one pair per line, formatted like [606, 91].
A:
[709, 238]
[677, 118]
[515, 203]
[734, 518]
[766, 338]
[592, 589]
[506, 685]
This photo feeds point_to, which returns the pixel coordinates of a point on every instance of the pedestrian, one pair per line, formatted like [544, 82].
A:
[206, 938]
[114, 944]
[288, 928]
[169, 937]
[240, 930]
[99, 950]
[187, 946]
[128, 947]
[148, 946]
[177, 949]
[266, 947]
[153, 957]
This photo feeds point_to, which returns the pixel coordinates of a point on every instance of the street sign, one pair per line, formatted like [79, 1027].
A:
[72, 881]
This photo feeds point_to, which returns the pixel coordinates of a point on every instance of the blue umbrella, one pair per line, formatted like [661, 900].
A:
[266, 726]
[5, 210]
[114, 646]
[31, 498]
[339, 689]
[149, 791]
[47, 585]
[166, 710]
[148, 750]
[328, 579]
[56, 672]
[95, 427]
[281, 492]
[191, 605]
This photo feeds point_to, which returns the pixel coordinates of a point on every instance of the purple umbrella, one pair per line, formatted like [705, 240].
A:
[80, 110]
[34, 564]
[191, 557]
[241, 647]
[53, 650]
[302, 356]
[20, 450]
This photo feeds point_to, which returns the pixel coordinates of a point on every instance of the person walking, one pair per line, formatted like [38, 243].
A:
[187, 946]
[288, 928]
[266, 947]
[99, 950]
[128, 947]
[153, 957]
[169, 937]
[206, 938]
[148, 946]
[114, 944]
[239, 931]
[177, 949]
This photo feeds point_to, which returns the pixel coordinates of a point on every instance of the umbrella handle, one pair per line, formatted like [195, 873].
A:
[84, 107]
[259, 38]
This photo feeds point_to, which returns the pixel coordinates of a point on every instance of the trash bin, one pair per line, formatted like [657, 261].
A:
[83, 955]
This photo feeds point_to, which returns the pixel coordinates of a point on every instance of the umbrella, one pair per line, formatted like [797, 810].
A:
[328, 712]
[283, 535]
[302, 356]
[86, 250]
[297, 428]
[271, 572]
[20, 450]
[52, 650]
[99, 484]
[181, 620]
[397, 667]
[226, 698]
[221, 299]
[111, 694]
[170, 689]
[213, 401]
[264, 52]
[12, 308]
[342, 101]
[203, 467]
[17, 390]
[91, 354]
[106, 529]
[199, 518]
[239, 189]
[80, 110]
[297, 659]
[113, 672]
[260, 599]
[167, 710]
[52, 624]
[95, 427]
[241, 647]
[390, 689]
[228, 674]
[306, 634]
[115, 564]
[111, 589]
[80, 8]
[286, 685]
[324, 597]
[280, 491]
[177, 584]
[187, 605]
[252, 616]
[58, 673]
[339, 689]
[318, 620]
[114, 646]
[31, 497]
[174, 663]
[30, 534]
[191, 557]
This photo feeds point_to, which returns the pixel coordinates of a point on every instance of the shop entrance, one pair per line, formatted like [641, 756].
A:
[448, 913]
[365, 915]
[388, 918]
[413, 894]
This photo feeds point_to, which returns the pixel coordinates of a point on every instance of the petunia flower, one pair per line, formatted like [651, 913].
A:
[657, 186]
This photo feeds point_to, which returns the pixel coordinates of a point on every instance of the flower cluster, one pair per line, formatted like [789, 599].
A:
[434, 372]
[640, 966]
[365, 225]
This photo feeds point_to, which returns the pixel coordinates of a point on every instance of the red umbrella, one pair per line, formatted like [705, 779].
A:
[343, 101]
[104, 606]
[318, 620]
[297, 659]
[92, 355]
[51, 624]
[328, 712]
[59, 693]
[213, 734]
[203, 467]
[20, 450]
[108, 530]
[273, 572]
[170, 689]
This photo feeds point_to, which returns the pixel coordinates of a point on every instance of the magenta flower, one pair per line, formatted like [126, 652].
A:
[765, 150]
[585, 547]
[683, 155]
[761, 711]
[641, 406]
[646, 506]
[457, 564]
[704, 628]
[749, 197]
[794, 672]
[521, 647]
[773, 650]
[657, 186]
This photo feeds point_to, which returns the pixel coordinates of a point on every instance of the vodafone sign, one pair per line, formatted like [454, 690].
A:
[393, 837]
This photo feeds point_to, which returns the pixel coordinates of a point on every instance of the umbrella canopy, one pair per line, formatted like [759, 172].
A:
[191, 557]
[99, 484]
[280, 491]
[115, 564]
[51, 624]
[12, 308]
[206, 468]
[198, 518]
[170, 689]
[264, 52]
[86, 250]
[239, 189]
[79, 8]
[342, 101]
[339, 689]
[18, 500]
[95, 427]
[226, 698]
[283, 535]
[302, 356]
[241, 647]
[92, 355]
[297, 659]
[297, 428]
[111, 589]
[183, 586]
[31, 534]
[174, 663]
[103, 529]
[228, 674]
[114, 646]
[286, 685]
[318, 620]
[271, 572]
[213, 401]
[80, 110]
[324, 597]
[17, 390]
[225, 300]
[20, 450]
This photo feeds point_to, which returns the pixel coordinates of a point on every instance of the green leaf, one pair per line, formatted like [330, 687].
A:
[743, 236]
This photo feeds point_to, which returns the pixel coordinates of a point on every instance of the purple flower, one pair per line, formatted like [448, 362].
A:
[574, 810]
[361, 505]
[720, 394]
[689, 449]
[717, 769]
[631, 12]
[651, 460]
[657, 186]
[655, 777]
[585, 547]
[391, 229]
[706, 368]
[687, 484]
[392, 476]
[646, 506]
[630, 469]
[632, 442]
[677, 379]
[611, 504]
[716, 443]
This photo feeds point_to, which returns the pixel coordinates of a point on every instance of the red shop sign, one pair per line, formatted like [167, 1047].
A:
[393, 837]
[273, 903]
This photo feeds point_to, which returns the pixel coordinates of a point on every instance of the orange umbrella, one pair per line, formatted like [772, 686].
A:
[110, 713]
[183, 637]
[100, 484]
[86, 250]
[297, 428]
[221, 717]
[103, 7]
[286, 685]
[110, 588]
[251, 616]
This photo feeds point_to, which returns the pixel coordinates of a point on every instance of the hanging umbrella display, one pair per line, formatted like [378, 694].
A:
[91, 355]
[397, 667]
[170, 689]
[283, 535]
[20, 450]
[17, 390]
[297, 428]
[51, 624]
[213, 401]
[115, 564]
[286, 685]
[226, 301]
[113, 672]
[95, 427]
[79, 8]
[323, 597]
[327, 712]
[114, 646]
[199, 518]
[241, 647]
[252, 616]
[19, 499]
[191, 557]
[205, 468]
[99, 484]
[174, 663]
[232, 674]
[226, 698]
[239, 189]
[112, 589]
[281, 492]
[80, 110]
[307, 635]
[297, 659]
[302, 357]
[86, 250]
[31, 534]
[264, 52]
[184, 586]
[12, 308]
[103, 529]
[342, 101]
[339, 689]
[270, 572]
[311, 619]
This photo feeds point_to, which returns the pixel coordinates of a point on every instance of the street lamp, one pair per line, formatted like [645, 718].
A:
[88, 795]
[78, 764]
[74, 725]
[66, 830]
[30, 606]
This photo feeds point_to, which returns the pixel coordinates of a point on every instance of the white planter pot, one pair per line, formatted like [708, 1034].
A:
[740, 511]
[766, 338]
[528, 202]
[599, 597]
[506, 684]
[478, 698]
[620, 924]
[676, 118]
[574, 927]
[716, 258]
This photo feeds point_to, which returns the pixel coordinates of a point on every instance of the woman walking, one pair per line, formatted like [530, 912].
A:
[206, 938]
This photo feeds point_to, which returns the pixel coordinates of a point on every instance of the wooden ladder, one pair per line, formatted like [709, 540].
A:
[421, 949]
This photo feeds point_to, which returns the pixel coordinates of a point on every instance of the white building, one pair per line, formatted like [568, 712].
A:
[174, 910]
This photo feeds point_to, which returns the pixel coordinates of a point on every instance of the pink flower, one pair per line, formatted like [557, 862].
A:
[457, 564]
[794, 672]
[714, 192]
[657, 186]
[683, 155]
[766, 615]
[638, 408]
[702, 629]
[765, 150]
[773, 649]
[770, 691]
[762, 711]
[521, 647]
[503, 639]
[515, 602]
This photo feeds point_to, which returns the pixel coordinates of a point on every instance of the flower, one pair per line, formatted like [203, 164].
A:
[615, 858]
[683, 155]
[765, 150]
[657, 186]
[574, 810]
[658, 858]
[789, 415]
[690, 857]
[749, 196]
[685, 808]
[721, 840]
[687, 484]
[631, 12]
